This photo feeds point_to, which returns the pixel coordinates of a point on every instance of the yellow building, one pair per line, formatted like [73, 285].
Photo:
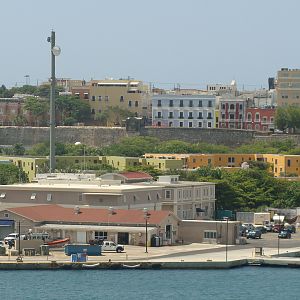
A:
[131, 95]
[283, 165]
[163, 164]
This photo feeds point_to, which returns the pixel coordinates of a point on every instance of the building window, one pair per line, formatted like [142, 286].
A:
[100, 235]
[241, 106]
[190, 115]
[257, 117]
[33, 196]
[93, 111]
[209, 124]
[158, 124]
[129, 103]
[6, 215]
[209, 115]
[181, 115]
[210, 234]
[159, 103]
[231, 107]
[122, 99]
[170, 115]
[49, 197]
[106, 98]
[170, 124]
[93, 98]
[181, 124]
[209, 103]
[171, 103]
[168, 194]
[200, 124]
[289, 162]
[200, 115]
[159, 114]
[99, 98]
[223, 106]
[231, 159]
[181, 103]
[136, 103]
[200, 103]
[191, 103]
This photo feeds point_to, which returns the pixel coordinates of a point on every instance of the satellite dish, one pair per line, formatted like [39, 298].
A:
[56, 50]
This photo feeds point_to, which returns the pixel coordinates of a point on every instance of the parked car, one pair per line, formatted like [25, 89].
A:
[269, 227]
[261, 228]
[253, 234]
[290, 228]
[284, 234]
[248, 226]
[278, 227]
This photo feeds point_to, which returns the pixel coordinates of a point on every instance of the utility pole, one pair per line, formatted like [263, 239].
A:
[55, 51]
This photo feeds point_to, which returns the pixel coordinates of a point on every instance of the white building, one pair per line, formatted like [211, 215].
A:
[189, 111]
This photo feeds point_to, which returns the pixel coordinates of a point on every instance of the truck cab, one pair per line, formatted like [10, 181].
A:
[111, 246]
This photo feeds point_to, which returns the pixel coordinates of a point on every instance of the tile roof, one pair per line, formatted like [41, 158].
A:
[56, 213]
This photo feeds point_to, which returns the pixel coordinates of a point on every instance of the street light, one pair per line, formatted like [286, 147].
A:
[110, 213]
[55, 51]
[226, 248]
[146, 217]
[79, 143]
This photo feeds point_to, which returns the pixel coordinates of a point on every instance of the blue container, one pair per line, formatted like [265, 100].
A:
[91, 250]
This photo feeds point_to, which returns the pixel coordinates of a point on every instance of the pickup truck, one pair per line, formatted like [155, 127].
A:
[13, 236]
[111, 246]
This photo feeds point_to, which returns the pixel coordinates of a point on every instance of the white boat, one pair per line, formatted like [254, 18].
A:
[91, 266]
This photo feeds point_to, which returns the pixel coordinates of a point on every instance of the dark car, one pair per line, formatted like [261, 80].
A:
[290, 228]
[254, 234]
[261, 228]
[284, 234]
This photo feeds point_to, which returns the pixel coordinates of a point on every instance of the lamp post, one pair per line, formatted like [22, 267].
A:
[79, 143]
[110, 213]
[55, 51]
[226, 247]
[146, 216]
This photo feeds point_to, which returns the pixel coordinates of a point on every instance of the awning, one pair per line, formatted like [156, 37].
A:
[278, 218]
[95, 228]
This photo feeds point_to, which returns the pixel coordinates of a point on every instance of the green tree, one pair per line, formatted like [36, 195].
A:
[38, 107]
[72, 109]
[287, 117]
[10, 174]
[113, 116]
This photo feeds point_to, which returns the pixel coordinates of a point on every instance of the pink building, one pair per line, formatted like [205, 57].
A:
[260, 119]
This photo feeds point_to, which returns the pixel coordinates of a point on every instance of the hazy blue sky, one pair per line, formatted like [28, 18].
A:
[161, 41]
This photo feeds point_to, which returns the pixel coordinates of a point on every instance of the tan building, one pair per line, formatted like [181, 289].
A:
[288, 87]
[132, 95]
[213, 232]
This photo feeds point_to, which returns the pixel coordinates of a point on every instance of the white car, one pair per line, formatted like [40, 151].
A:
[13, 237]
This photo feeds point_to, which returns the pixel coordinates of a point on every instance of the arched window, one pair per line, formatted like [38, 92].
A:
[231, 106]
[249, 116]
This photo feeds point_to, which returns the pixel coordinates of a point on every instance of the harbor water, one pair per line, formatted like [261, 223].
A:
[240, 283]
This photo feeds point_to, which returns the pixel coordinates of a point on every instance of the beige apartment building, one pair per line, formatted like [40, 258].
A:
[288, 87]
[132, 95]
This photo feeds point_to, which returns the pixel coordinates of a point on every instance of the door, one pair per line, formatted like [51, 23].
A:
[81, 237]
[123, 238]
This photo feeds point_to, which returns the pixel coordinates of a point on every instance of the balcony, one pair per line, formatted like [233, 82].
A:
[158, 117]
[200, 118]
[170, 117]
[190, 117]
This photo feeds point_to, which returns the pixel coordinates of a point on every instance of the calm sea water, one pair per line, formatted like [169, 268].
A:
[244, 283]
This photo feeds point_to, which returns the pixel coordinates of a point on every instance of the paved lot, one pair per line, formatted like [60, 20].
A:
[191, 252]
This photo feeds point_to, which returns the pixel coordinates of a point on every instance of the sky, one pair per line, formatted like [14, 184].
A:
[165, 42]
